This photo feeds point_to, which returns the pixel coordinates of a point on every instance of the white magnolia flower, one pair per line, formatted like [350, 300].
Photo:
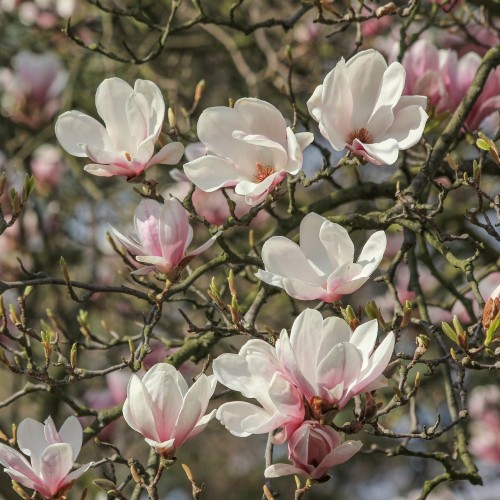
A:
[249, 148]
[329, 363]
[164, 410]
[322, 267]
[133, 118]
[255, 373]
[359, 107]
[52, 456]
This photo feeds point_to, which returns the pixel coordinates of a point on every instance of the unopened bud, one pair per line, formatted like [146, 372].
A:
[385, 10]
[232, 286]
[17, 488]
[198, 92]
[172, 120]
[3, 183]
[135, 475]
[74, 355]
[418, 379]
[64, 269]
[406, 314]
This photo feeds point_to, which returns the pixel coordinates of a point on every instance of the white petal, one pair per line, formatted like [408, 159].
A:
[71, 432]
[74, 128]
[111, 103]
[337, 243]
[364, 338]
[383, 153]
[408, 126]
[311, 245]
[170, 154]
[278, 470]
[210, 173]
[372, 253]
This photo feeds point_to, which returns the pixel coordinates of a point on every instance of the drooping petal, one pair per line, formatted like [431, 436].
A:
[338, 456]
[278, 470]
[408, 126]
[382, 153]
[234, 417]
[106, 170]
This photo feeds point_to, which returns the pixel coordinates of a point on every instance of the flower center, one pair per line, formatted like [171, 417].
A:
[361, 134]
[262, 172]
[128, 156]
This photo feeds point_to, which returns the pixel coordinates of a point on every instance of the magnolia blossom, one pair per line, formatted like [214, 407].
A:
[31, 91]
[322, 267]
[249, 148]
[164, 410]
[314, 449]
[329, 363]
[162, 236]
[255, 372]
[52, 455]
[458, 75]
[133, 118]
[422, 63]
[359, 107]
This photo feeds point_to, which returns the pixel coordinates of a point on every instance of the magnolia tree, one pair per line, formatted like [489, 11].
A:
[242, 241]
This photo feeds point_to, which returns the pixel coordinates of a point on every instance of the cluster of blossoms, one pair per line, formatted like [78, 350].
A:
[364, 107]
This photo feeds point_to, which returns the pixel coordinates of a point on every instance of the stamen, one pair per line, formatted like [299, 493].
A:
[262, 172]
[128, 156]
[361, 134]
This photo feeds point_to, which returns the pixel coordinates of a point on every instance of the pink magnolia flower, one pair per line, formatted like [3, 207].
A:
[314, 449]
[423, 71]
[32, 90]
[164, 410]
[133, 118]
[162, 236]
[47, 165]
[255, 372]
[322, 267]
[52, 455]
[458, 75]
[484, 407]
[359, 107]
[329, 363]
[250, 148]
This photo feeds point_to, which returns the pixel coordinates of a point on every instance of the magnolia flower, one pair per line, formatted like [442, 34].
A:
[164, 410]
[359, 107]
[249, 148]
[162, 236]
[254, 372]
[52, 455]
[458, 75]
[133, 118]
[329, 363]
[322, 267]
[423, 71]
[31, 92]
[314, 449]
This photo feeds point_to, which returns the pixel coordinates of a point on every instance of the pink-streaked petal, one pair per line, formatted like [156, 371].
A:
[278, 470]
[107, 170]
[132, 246]
[56, 462]
[137, 409]
[342, 364]
[12, 459]
[147, 226]
[338, 456]
[382, 153]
